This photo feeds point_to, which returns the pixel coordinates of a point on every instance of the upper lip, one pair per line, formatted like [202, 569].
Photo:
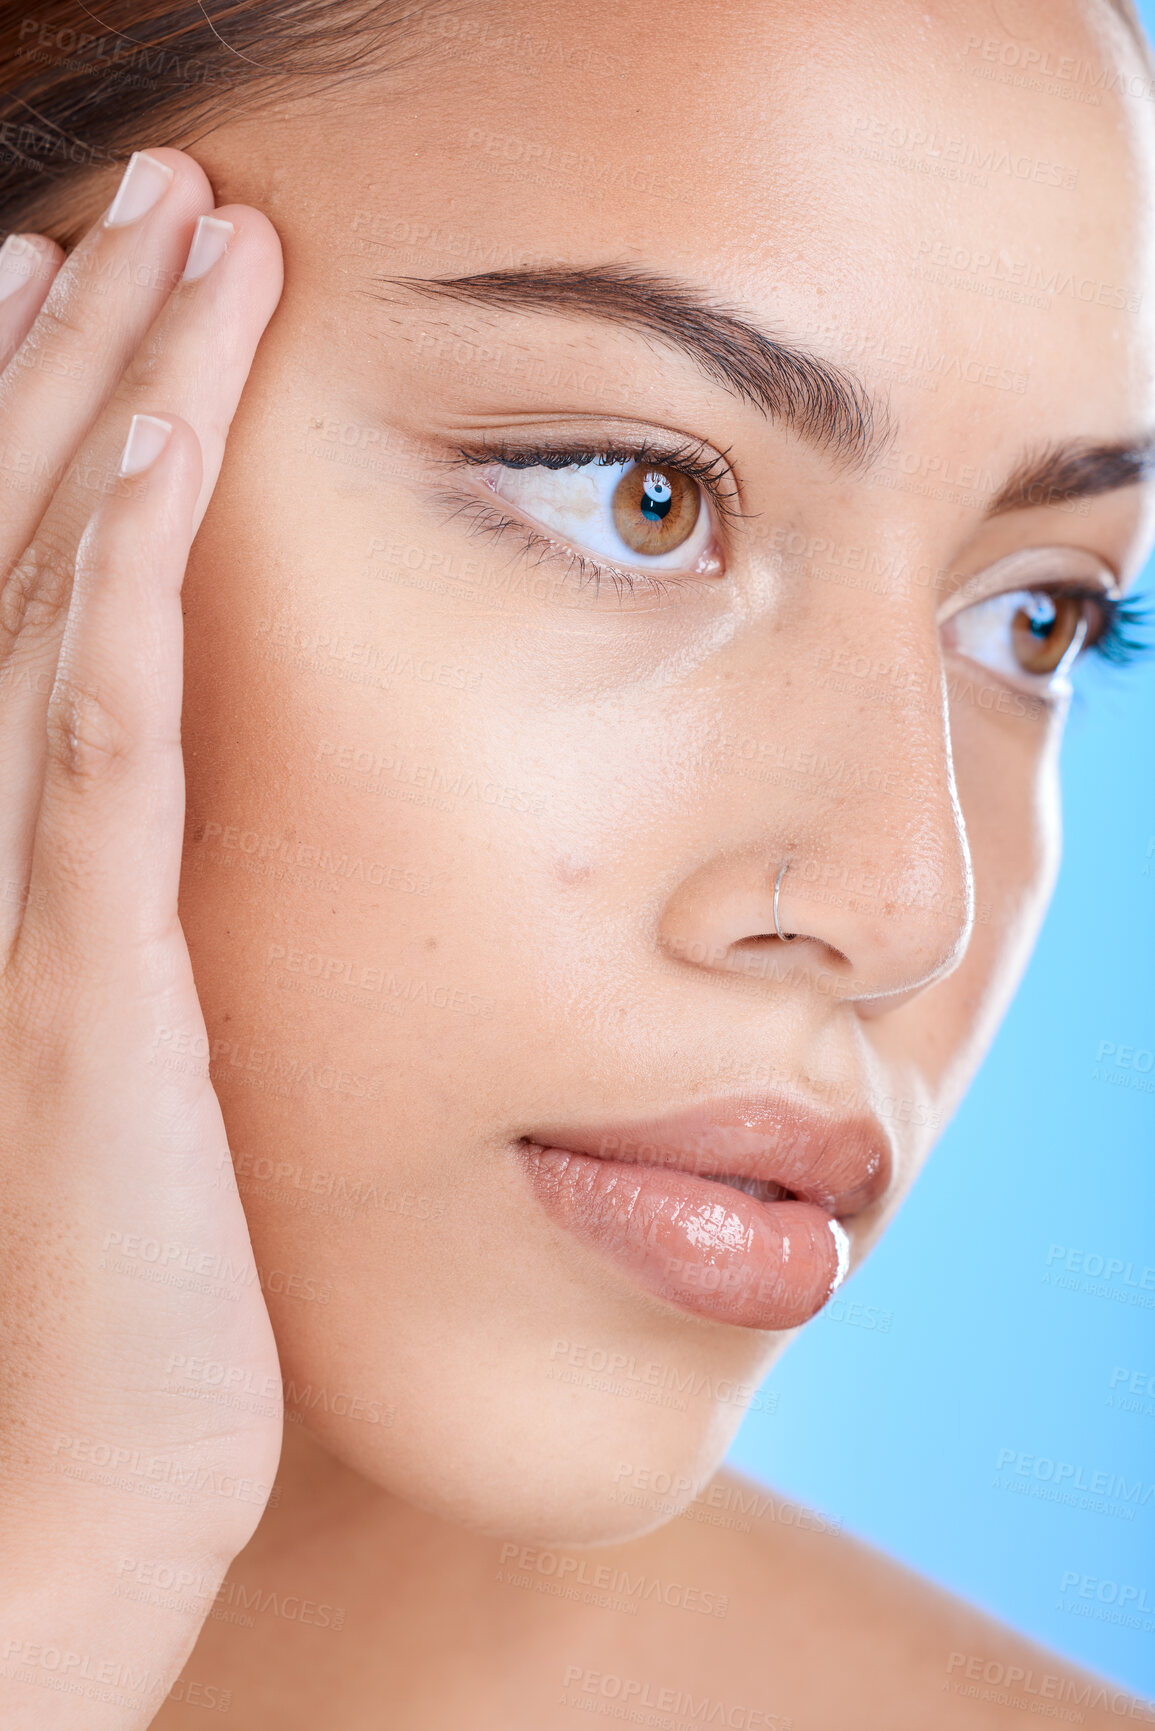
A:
[841, 1163]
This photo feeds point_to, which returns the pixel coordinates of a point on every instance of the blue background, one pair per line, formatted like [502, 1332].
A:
[899, 1432]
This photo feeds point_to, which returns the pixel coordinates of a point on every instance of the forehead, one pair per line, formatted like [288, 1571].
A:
[910, 179]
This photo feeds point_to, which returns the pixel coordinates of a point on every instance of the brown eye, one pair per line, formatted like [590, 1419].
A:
[655, 509]
[1044, 629]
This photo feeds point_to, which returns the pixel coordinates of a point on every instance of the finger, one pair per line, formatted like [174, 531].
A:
[107, 845]
[196, 356]
[97, 312]
[28, 264]
[196, 359]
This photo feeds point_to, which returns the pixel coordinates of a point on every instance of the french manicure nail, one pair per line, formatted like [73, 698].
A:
[143, 184]
[211, 237]
[147, 437]
[17, 264]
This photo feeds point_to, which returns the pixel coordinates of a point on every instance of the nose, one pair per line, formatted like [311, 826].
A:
[855, 820]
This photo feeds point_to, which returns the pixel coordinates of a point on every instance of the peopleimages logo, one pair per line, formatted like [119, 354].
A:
[980, 1678]
[1129, 1066]
[1132, 1390]
[1113, 1277]
[1064, 1481]
[1093, 1263]
[1117, 1602]
[1106, 1592]
[573, 1577]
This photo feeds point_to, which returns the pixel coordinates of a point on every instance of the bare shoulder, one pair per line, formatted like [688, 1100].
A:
[827, 1633]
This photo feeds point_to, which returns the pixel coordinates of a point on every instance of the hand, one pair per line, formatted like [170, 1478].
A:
[140, 1410]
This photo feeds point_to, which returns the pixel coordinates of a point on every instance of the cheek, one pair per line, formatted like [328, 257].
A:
[370, 955]
[373, 858]
[388, 802]
[351, 807]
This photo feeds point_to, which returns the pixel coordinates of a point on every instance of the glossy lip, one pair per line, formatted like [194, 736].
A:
[729, 1210]
[841, 1164]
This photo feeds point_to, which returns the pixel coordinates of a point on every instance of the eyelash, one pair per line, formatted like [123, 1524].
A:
[1119, 638]
[708, 468]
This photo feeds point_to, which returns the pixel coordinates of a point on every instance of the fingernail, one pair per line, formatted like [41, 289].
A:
[143, 184]
[17, 264]
[211, 237]
[147, 438]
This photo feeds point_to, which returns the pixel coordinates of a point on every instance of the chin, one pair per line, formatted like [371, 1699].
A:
[550, 1461]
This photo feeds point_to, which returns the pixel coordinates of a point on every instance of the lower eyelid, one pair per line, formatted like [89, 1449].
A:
[485, 519]
[1038, 688]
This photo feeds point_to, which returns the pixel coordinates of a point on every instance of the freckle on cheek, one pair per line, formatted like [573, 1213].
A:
[572, 869]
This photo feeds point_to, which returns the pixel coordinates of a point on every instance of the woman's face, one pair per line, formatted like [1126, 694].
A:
[496, 751]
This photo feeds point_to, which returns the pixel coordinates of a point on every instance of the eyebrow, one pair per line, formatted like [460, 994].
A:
[825, 404]
[1075, 469]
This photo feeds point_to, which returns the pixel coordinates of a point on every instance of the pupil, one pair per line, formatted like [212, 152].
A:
[1041, 614]
[656, 497]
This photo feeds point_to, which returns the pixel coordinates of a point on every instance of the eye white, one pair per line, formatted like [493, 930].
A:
[574, 504]
[982, 632]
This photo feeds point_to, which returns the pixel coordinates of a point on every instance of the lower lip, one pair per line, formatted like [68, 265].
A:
[700, 1245]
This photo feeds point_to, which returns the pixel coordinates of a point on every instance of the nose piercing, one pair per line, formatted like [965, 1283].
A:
[787, 937]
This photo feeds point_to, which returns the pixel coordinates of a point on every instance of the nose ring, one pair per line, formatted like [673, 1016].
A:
[787, 937]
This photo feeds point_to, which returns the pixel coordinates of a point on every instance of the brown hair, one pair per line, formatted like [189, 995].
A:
[79, 91]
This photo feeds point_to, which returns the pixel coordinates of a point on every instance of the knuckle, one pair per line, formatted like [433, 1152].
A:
[86, 741]
[64, 324]
[17, 893]
[34, 596]
[139, 378]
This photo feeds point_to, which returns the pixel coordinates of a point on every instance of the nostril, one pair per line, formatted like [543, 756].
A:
[861, 929]
[760, 941]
